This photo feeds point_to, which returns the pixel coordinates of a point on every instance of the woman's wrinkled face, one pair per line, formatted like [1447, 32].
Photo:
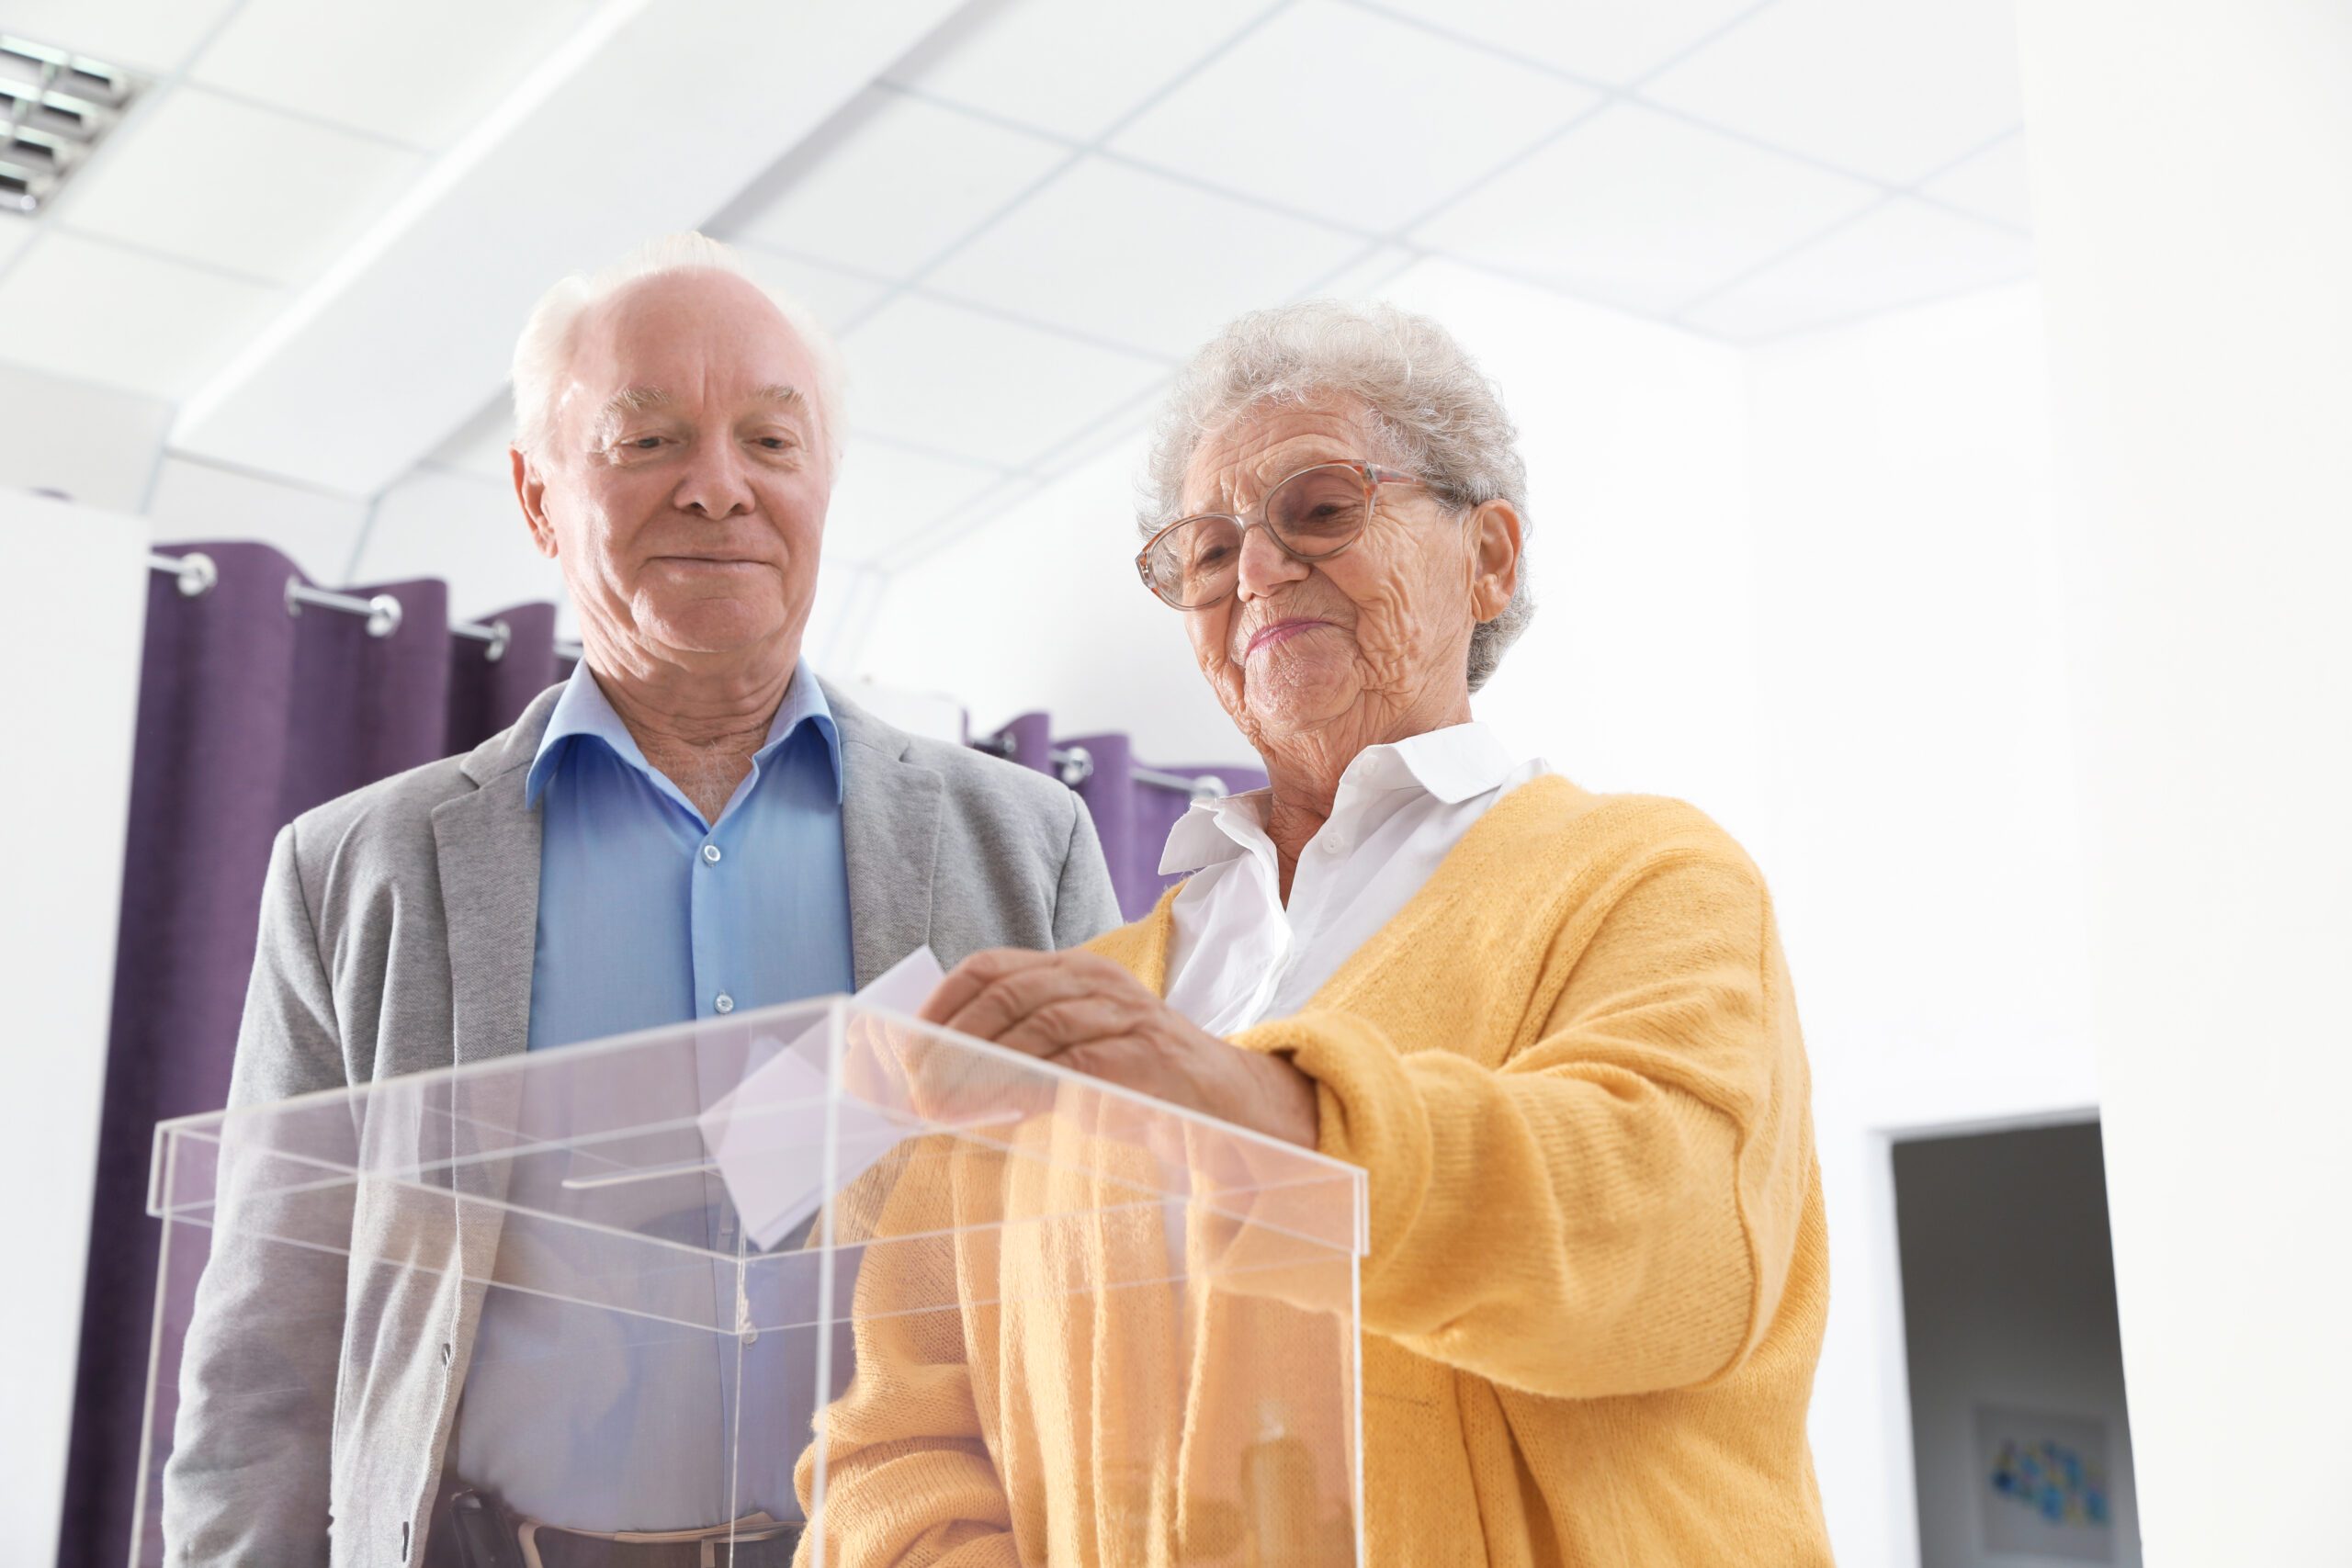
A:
[1358, 646]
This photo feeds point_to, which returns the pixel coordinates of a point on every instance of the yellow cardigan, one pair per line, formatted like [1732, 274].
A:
[1599, 1269]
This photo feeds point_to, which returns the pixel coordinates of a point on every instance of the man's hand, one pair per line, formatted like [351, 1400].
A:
[1082, 1012]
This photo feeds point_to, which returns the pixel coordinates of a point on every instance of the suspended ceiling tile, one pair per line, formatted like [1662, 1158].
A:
[1610, 42]
[886, 493]
[1348, 116]
[1070, 67]
[1894, 89]
[973, 386]
[152, 37]
[84, 309]
[418, 71]
[651, 119]
[893, 182]
[478, 448]
[1139, 259]
[16, 233]
[1991, 185]
[836, 296]
[1643, 211]
[221, 183]
[1370, 273]
[1906, 252]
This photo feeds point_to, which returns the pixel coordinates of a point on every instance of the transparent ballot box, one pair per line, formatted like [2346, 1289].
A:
[820, 1280]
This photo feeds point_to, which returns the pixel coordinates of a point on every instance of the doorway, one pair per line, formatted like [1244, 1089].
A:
[2020, 1437]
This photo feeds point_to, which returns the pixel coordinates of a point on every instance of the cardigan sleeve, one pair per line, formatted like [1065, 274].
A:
[1611, 1207]
[909, 1482]
[907, 1478]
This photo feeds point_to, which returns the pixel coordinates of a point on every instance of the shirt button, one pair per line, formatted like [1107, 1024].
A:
[711, 853]
[725, 1002]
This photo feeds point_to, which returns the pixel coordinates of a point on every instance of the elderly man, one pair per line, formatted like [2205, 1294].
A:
[693, 825]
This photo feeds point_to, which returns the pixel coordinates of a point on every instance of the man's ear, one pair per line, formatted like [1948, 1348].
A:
[531, 489]
[1494, 541]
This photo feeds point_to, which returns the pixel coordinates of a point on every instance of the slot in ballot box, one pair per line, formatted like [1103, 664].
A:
[817, 1271]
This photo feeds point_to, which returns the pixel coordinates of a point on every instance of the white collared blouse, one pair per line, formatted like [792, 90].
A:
[1238, 956]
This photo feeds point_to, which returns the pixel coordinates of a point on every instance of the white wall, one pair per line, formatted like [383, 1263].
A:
[1923, 848]
[68, 693]
[2192, 167]
[468, 530]
[1043, 609]
[196, 500]
[94, 443]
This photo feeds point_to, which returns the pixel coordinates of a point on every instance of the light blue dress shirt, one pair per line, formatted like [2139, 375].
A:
[650, 916]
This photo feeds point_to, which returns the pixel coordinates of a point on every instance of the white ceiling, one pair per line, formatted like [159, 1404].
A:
[1024, 224]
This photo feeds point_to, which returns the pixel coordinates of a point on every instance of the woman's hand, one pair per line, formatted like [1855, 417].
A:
[1082, 1012]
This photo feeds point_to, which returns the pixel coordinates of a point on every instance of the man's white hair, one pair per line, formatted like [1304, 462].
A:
[543, 354]
[1431, 408]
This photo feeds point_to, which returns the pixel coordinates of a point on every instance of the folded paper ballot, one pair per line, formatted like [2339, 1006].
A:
[767, 1136]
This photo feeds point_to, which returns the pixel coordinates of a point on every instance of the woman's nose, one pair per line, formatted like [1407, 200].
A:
[1265, 565]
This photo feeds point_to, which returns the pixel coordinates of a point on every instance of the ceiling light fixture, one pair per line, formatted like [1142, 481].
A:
[55, 106]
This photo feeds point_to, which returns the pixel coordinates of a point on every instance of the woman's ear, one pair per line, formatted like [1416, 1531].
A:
[1495, 531]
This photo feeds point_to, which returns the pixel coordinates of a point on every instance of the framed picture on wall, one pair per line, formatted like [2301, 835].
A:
[2041, 1484]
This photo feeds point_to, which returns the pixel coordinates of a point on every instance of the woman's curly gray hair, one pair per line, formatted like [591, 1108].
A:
[1430, 405]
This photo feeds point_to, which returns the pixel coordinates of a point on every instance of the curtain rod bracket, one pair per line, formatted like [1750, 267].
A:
[1208, 787]
[383, 611]
[195, 570]
[498, 634]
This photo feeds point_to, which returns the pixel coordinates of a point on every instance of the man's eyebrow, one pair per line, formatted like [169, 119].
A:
[782, 394]
[634, 399]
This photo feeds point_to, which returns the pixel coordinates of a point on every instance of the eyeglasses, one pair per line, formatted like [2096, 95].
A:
[1314, 514]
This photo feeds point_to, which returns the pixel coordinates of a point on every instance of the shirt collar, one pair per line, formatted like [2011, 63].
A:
[583, 710]
[1452, 765]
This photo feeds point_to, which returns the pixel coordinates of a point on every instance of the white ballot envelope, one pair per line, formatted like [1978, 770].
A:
[767, 1136]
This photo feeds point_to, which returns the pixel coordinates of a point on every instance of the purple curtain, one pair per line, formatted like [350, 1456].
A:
[248, 715]
[1133, 804]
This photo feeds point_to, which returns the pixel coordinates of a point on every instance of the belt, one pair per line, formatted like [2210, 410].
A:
[488, 1535]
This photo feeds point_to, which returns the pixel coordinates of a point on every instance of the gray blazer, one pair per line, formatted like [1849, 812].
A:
[397, 936]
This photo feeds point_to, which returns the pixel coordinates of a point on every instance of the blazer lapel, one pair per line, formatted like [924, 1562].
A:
[891, 815]
[487, 846]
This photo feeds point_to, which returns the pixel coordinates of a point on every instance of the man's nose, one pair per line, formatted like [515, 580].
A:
[717, 483]
[1265, 566]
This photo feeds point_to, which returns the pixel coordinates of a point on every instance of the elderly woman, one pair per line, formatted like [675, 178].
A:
[1555, 1027]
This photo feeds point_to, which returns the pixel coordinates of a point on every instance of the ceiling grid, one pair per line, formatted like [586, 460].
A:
[1019, 230]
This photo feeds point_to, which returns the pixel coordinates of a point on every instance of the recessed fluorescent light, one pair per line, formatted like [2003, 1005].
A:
[55, 106]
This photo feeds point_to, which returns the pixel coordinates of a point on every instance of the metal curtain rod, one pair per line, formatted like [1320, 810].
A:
[383, 611]
[1208, 787]
[1075, 764]
[197, 573]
